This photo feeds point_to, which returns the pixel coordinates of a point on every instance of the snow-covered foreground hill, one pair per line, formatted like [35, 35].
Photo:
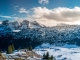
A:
[66, 52]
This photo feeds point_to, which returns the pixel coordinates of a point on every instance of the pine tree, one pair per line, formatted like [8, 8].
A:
[1, 55]
[9, 50]
[13, 47]
[52, 57]
[44, 56]
[30, 48]
[47, 55]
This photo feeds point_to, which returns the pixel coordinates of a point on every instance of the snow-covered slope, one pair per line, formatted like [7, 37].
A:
[66, 52]
[34, 24]
[25, 24]
[30, 32]
[65, 38]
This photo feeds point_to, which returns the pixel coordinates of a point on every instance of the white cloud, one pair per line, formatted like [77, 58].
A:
[5, 16]
[43, 2]
[9, 17]
[60, 15]
[23, 10]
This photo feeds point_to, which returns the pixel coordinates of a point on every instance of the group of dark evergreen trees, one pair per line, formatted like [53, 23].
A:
[48, 57]
[11, 49]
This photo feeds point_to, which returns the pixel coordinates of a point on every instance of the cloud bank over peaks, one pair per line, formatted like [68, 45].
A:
[60, 15]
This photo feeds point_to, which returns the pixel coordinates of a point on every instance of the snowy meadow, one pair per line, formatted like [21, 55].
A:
[66, 52]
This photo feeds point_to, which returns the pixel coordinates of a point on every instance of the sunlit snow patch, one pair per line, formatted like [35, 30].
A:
[66, 52]
[16, 30]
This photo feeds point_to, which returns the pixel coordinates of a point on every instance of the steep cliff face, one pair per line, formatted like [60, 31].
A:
[32, 33]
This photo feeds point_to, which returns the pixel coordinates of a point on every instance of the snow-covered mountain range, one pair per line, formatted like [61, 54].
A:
[30, 32]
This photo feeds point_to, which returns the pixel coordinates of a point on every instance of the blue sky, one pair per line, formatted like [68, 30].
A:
[26, 9]
[11, 7]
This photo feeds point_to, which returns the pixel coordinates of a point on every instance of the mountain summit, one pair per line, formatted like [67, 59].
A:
[28, 33]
